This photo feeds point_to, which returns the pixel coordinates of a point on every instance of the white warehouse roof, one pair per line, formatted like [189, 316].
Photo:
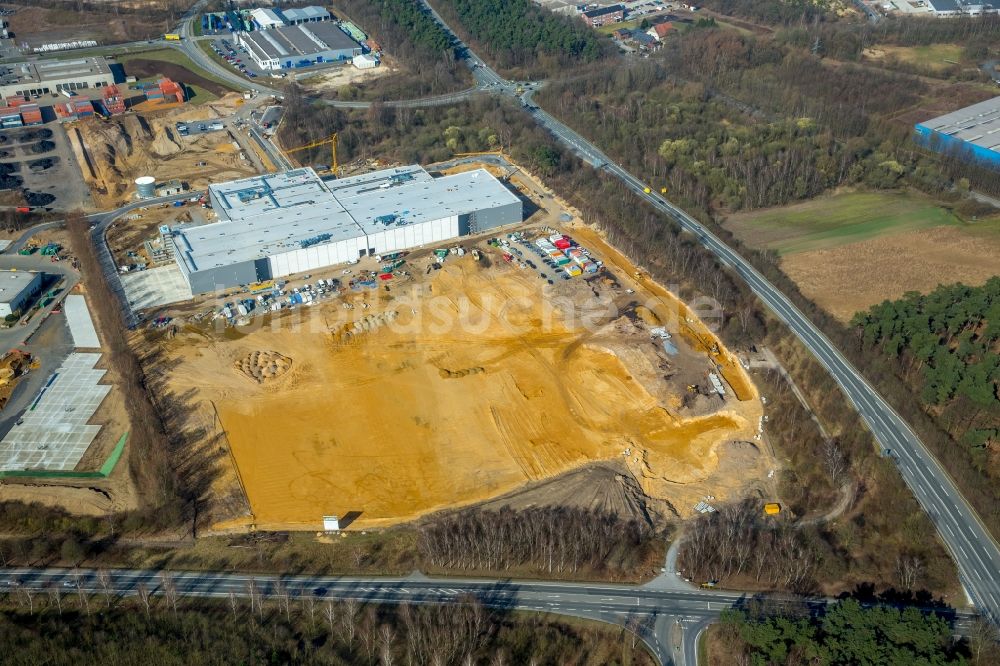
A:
[275, 213]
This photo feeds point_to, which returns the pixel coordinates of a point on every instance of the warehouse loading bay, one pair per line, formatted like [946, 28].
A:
[481, 370]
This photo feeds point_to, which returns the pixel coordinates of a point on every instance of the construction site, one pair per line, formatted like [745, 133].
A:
[433, 379]
[114, 151]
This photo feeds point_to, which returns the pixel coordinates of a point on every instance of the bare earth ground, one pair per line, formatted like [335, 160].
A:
[851, 278]
[38, 25]
[146, 144]
[338, 77]
[460, 387]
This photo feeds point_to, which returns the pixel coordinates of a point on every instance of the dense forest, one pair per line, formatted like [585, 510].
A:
[61, 628]
[846, 634]
[729, 122]
[520, 36]
[947, 343]
[847, 40]
[415, 43]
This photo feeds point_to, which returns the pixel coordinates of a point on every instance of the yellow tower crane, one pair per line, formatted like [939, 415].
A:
[332, 140]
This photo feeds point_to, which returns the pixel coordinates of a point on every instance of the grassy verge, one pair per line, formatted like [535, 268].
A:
[931, 56]
[177, 58]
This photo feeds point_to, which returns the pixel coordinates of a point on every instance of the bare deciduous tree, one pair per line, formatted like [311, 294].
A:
[142, 590]
[169, 590]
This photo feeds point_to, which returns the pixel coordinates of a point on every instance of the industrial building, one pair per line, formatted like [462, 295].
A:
[972, 132]
[284, 223]
[311, 14]
[17, 288]
[298, 45]
[604, 15]
[49, 76]
[264, 18]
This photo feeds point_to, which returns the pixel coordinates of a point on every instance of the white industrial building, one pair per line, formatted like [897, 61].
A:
[292, 222]
[50, 76]
[17, 288]
[265, 19]
[298, 45]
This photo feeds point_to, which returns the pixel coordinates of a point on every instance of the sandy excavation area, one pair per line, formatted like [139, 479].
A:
[460, 386]
[120, 149]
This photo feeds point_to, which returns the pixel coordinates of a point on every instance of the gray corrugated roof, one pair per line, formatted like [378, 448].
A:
[299, 41]
[978, 124]
[303, 13]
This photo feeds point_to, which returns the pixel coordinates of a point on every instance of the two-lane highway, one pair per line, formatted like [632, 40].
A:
[975, 551]
[971, 545]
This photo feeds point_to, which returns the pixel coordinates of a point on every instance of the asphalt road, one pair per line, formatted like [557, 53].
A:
[974, 550]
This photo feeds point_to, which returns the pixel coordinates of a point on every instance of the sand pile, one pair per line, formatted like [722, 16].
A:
[367, 324]
[262, 366]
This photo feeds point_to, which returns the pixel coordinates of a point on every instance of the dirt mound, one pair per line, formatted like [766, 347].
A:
[7, 169]
[464, 372]
[42, 147]
[607, 487]
[43, 164]
[372, 322]
[38, 198]
[262, 366]
[11, 182]
[34, 134]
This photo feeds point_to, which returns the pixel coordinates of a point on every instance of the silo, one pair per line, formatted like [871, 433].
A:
[145, 187]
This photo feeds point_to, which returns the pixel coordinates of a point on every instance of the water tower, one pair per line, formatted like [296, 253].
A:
[145, 187]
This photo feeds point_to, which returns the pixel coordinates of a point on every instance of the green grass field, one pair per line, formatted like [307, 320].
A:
[837, 220]
[932, 56]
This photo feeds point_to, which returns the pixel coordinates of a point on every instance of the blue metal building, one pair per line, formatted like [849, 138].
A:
[972, 133]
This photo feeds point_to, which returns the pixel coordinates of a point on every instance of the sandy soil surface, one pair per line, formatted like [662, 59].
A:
[79, 501]
[147, 144]
[461, 386]
[338, 77]
[853, 277]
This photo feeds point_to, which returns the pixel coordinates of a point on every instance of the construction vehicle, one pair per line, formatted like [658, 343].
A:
[475, 254]
[663, 190]
[693, 388]
[772, 509]
[172, 37]
[332, 140]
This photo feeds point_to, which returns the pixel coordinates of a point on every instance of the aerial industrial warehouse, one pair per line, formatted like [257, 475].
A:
[296, 45]
[284, 223]
[974, 130]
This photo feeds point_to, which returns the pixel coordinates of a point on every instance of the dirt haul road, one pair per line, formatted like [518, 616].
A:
[446, 391]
